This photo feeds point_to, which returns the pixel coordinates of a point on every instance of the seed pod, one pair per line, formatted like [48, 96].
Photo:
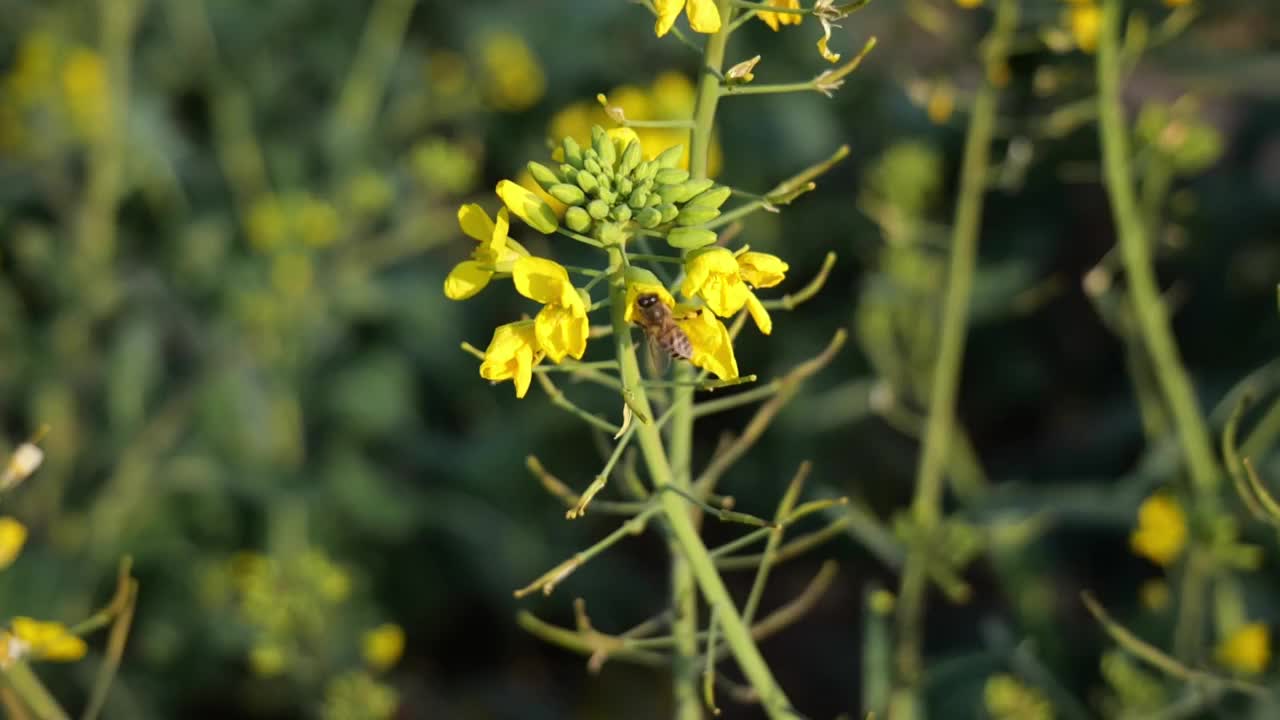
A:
[543, 175]
[569, 172]
[604, 148]
[670, 157]
[631, 158]
[669, 212]
[572, 152]
[621, 213]
[649, 218]
[567, 194]
[696, 215]
[624, 186]
[689, 238]
[577, 219]
[598, 209]
[712, 198]
[685, 191]
[671, 176]
[591, 164]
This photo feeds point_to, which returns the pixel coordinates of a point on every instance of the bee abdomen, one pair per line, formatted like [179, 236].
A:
[679, 346]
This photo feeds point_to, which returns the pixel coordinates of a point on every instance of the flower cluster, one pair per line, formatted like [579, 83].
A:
[611, 192]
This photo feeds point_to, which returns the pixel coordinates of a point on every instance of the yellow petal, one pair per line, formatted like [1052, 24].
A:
[466, 279]
[1247, 650]
[712, 347]
[762, 270]
[475, 222]
[829, 56]
[700, 267]
[383, 646]
[777, 20]
[562, 331]
[668, 11]
[622, 137]
[528, 207]
[1162, 530]
[636, 289]
[759, 313]
[64, 648]
[13, 535]
[703, 16]
[511, 355]
[1086, 20]
[544, 281]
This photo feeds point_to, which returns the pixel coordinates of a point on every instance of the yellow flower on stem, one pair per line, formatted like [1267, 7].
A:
[1247, 650]
[777, 20]
[497, 252]
[712, 346]
[561, 327]
[528, 207]
[723, 282]
[511, 355]
[1085, 19]
[1162, 530]
[647, 285]
[703, 15]
[383, 646]
[13, 535]
[47, 640]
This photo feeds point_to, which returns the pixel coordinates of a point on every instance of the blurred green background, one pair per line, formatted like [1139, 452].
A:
[224, 228]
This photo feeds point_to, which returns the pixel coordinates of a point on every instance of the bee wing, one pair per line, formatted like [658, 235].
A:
[659, 358]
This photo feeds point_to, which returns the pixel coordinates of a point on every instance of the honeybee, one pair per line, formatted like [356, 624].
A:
[660, 328]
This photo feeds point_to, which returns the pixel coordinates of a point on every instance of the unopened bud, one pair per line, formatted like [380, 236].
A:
[621, 213]
[24, 461]
[669, 212]
[567, 194]
[603, 145]
[543, 175]
[649, 218]
[577, 219]
[572, 152]
[631, 158]
[688, 238]
[671, 176]
[670, 157]
[598, 209]
[696, 215]
[586, 181]
[713, 198]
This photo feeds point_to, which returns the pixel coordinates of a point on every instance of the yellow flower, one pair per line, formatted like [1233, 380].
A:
[1162, 530]
[638, 288]
[268, 659]
[383, 646]
[820, 7]
[511, 355]
[12, 536]
[528, 207]
[497, 252]
[84, 85]
[561, 327]
[1085, 20]
[712, 346]
[515, 79]
[1176, 3]
[716, 276]
[941, 103]
[703, 15]
[969, 4]
[777, 20]
[48, 640]
[1005, 698]
[1247, 650]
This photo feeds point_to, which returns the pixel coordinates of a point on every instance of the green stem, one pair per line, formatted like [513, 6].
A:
[33, 693]
[1135, 252]
[684, 536]
[940, 425]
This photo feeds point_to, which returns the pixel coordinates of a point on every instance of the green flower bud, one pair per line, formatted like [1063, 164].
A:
[621, 213]
[638, 198]
[636, 275]
[624, 186]
[598, 209]
[712, 198]
[567, 194]
[590, 164]
[631, 158]
[654, 199]
[608, 196]
[689, 238]
[530, 208]
[604, 148]
[543, 175]
[587, 181]
[671, 176]
[577, 219]
[670, 157]
[669, 212]
[685, 191]
[696, 215]
[572, 152]
[649, 218]
[646, 170]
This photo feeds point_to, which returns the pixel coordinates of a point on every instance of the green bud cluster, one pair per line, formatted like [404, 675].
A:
[605, 184]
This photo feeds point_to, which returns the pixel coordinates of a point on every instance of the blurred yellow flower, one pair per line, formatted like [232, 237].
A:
[514, 78]
[670, 96]
[561, 327]
[496, 253]
[1176, 3]
[1154, 595]
[47, 640]
[511, 355]
[969, 3]
[712, 346]
[941, 103]
[13, 535]
[1162, 530]
[777, 20]
[1085, 19]
[32, 75]
[268, 659]
[88, 98]
[1006, 698]
[383, 646]
[528, 207]
[716, 276]
[703, 15]
[447, 74]
[1247, 650]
